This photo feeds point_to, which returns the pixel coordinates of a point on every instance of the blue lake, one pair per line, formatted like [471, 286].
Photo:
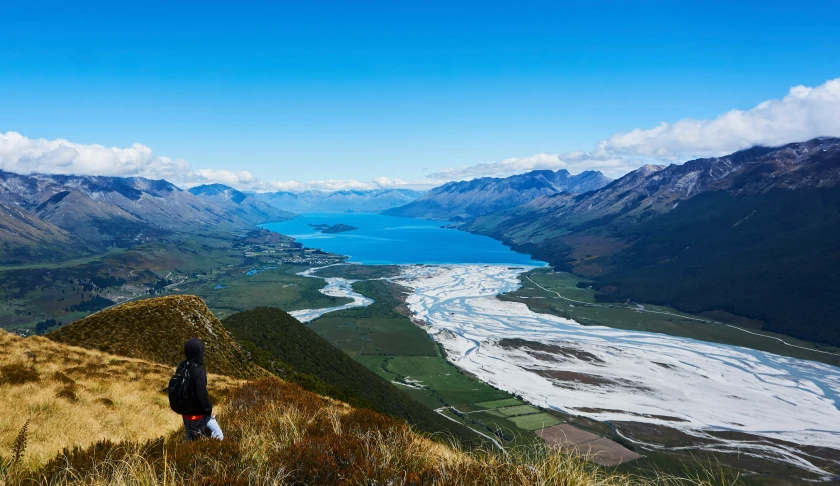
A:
[383, 239]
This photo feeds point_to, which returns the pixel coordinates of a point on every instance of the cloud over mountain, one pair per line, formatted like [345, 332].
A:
[804, 113]
[24, 155]
[574, 162]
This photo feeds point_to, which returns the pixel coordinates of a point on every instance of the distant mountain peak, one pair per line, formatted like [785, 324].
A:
[467, 199]
[227, 192]
[348, 200]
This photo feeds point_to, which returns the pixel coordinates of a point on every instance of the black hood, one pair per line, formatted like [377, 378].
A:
[194, 351]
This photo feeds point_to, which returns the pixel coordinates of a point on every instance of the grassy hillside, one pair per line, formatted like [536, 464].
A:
[771, 257]
[277, 433]
[26, 238]
[74, 397]
[280, 343]
[156, 330]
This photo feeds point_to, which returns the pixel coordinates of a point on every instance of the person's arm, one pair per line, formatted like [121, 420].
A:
[201, 395]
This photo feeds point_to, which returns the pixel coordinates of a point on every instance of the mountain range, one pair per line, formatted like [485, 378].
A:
[749, 234]
[240, 204]
[54, 217]
[358, 201]
[462, 200]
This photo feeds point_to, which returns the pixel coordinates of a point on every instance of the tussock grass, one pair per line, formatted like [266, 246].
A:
[277, 433]
[75, 397]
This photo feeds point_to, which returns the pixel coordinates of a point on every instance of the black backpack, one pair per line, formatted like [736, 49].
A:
[179, 389]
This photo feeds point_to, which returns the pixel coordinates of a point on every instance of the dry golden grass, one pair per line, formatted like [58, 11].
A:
[75, 397]
[277, 433]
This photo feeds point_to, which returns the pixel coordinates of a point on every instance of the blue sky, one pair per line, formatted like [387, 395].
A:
[358, 90]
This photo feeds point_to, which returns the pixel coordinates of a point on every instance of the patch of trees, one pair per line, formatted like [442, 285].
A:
[95, 303]
[157, 286]
[105, 281]
[44, 326]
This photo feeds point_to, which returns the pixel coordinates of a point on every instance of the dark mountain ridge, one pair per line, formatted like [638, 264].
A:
[281, 344]
[461, 200]
[752, 233]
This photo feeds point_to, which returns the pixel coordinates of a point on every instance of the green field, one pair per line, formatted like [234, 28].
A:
[442, 379]
[518, 410]
[535, 421]
[507, 402]
[579, 304]
[375, 336]
[359, 272]
[272, 287]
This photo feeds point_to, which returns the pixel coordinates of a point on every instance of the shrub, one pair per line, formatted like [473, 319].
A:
[18, 374]
[67, 392]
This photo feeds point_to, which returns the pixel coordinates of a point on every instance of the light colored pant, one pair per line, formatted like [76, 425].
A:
[201, 428]
[215, 430]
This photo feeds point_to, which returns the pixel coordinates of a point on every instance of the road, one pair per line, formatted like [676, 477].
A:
[494, 441]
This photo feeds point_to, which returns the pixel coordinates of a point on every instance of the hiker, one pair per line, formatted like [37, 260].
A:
[197, 411]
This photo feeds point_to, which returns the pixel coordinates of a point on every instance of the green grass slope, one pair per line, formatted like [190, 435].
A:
[771, 256]
[280, 343]
[156, 330]
[26, 238]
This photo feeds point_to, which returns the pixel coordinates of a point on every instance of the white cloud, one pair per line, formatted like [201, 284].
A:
[238, 179]
[24, 155]
[574, 162]
[422, 185]
[332, 185]
[283, 186]
[803, 114]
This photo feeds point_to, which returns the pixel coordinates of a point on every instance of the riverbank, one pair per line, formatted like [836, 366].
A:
[566, 295]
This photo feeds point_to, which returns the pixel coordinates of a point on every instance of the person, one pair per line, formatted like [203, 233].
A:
[200, 421]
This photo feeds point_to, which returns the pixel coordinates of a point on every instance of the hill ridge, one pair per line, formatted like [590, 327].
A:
[138, 329]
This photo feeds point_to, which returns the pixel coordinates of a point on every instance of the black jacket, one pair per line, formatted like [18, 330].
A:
[199, 399]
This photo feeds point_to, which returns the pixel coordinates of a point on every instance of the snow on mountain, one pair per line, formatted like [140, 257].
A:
[462, 200]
